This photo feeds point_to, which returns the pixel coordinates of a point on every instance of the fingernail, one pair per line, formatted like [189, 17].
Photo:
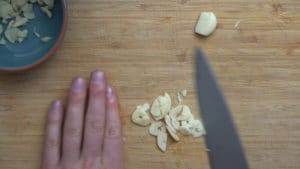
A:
[56, 104]
[78, 83]
[97, 76]
[56, 107]
[109, 93]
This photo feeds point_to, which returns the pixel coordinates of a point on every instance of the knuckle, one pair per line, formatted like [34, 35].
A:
[77, 96]
[113, 132]
[97, 89]
[96, 126]
[73, 132]
[92, 162]
[51, 144]
[53, 120]
[47, 166]
[71, 166]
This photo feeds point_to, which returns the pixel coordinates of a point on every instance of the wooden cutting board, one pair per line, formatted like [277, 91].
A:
[146, 48]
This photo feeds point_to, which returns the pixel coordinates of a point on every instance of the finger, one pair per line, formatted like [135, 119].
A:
[113, 146]
[53, 135]
[74, 120]
[95, 117]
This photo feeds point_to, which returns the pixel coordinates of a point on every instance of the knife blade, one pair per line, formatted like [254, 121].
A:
[222, 140]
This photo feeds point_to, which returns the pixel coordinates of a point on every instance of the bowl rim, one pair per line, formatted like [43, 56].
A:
[52, 50]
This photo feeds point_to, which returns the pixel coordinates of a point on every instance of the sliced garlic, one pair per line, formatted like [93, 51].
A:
[172, 133]
[185, 130]
[49, 3]
[184, 93]
[237, 25]
[165, 103]
[46, 39]
[40, 2]
[198, 129]
[161, 106]
[179, 99]
[29, 15]
[178, 119]
[162, 141]
[36, 33]
[175, 111]
[170, 128]
[140, 116]
[46, 11]
[175, 123]
[22, 34]
[168, 123]
[157, 127]
[207, 23]
[6, 11]
[185, 115]
[2, 41]
[28, 11]
[15, 35]
[1, 29]
[17, 4]
[19, 21]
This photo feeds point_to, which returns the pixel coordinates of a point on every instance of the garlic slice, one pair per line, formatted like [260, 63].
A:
[46, 39]
[184, 93]
[28, 11]
[198, 129]
[168, 123]
[49, 3]
[15, 35]
[157, 127]
[162, 141]
[175, 111]
[19, 21]
[170, 128]
[185, 130]
[185, 115]
[207, 23]
[2, 41]
[140, 116]
[1, 29]
[46, 11]
[161, 106]
[6, 11]
[175, 123]
[179, 99]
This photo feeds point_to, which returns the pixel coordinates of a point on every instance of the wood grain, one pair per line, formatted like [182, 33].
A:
[146, 48]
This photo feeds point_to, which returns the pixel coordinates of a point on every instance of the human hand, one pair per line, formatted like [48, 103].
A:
[88, 134]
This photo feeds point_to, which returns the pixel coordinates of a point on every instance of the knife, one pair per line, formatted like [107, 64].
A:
[222, 140]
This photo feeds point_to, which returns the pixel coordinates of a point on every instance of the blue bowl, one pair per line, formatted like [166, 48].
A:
[32, 51]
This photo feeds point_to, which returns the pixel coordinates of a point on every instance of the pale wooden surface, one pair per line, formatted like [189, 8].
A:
[147, 47]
